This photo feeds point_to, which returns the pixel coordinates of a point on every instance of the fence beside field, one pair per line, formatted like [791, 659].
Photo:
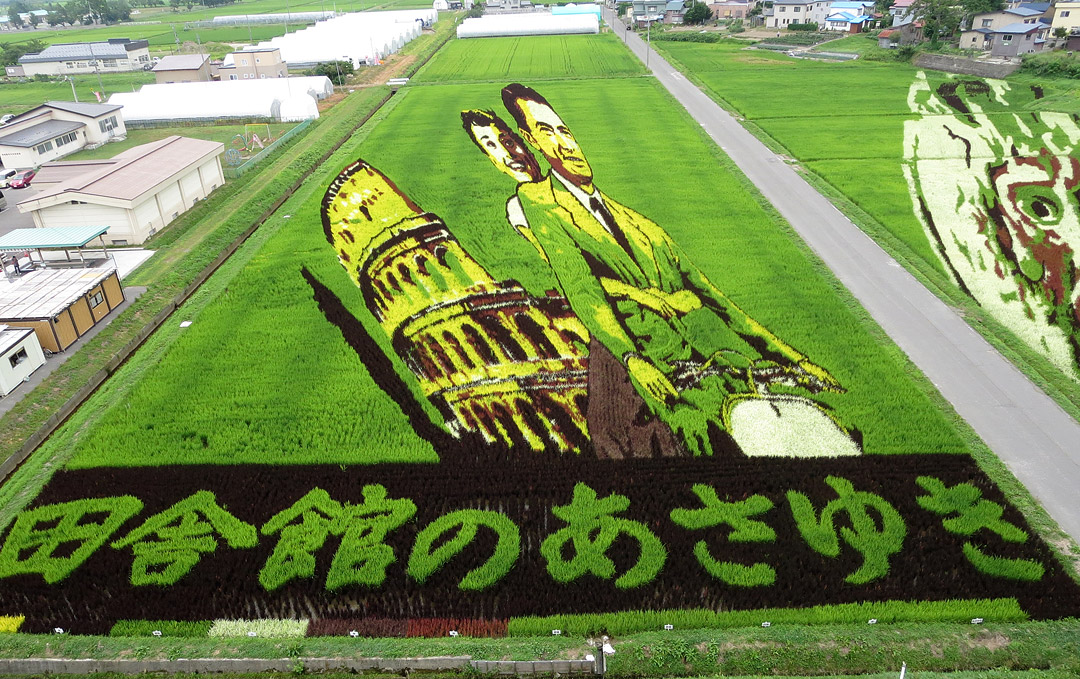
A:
[238, 171]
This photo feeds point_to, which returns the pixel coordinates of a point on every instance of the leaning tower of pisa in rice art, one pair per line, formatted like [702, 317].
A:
[490, 357]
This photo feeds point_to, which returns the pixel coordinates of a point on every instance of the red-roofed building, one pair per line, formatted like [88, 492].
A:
[136, 193]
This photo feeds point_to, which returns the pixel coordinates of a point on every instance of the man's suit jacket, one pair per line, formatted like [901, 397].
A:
[581, 251]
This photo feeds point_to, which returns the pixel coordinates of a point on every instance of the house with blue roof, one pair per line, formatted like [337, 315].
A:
[848, 17]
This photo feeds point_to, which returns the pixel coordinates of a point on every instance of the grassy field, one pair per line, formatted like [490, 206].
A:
[16, 97]
[543, 57]
[226, 134]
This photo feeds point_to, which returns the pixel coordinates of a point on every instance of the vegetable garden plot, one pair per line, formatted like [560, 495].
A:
[416, 403]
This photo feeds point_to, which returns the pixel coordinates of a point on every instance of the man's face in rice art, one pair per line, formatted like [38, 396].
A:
[996, 184]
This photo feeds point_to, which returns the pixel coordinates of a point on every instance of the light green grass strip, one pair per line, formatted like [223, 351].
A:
[628, 622]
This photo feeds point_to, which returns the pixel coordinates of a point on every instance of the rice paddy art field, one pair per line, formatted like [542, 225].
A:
[970, 182]
[519, 373]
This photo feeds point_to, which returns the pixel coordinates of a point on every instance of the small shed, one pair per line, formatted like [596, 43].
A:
[20, 355]
[60, 305]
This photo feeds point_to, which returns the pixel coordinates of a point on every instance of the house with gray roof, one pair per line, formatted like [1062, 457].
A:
[113, 56]
[183, 68]
[1008, 41]
[986, 30]
[57, 129]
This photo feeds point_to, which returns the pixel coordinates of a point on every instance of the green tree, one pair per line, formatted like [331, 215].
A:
[940, 19]
[477, 9]
[698, 14]
[337, 71]
[16, 8]
[9, 55]
[1061, 32]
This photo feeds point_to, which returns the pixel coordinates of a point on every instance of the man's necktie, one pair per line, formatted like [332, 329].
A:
[609, 221]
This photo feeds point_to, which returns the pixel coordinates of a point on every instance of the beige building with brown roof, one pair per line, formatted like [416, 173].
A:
[254, 63]
[183, 68]
[136, 193]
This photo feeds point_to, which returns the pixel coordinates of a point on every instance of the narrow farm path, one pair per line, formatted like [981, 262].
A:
[1037, 440]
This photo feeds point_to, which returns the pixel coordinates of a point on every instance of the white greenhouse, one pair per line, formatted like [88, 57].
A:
[282, 99]
[359, 37]
[528, 24]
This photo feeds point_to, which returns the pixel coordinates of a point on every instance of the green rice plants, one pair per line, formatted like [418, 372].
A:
[498, 59]
[43, 531]
[160, 628]
[426, 559]
[592, 529]
[873, 541]
[169, 544]
[743, 529]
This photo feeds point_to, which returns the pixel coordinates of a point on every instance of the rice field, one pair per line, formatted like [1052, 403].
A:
[278, 447]
[543, 57]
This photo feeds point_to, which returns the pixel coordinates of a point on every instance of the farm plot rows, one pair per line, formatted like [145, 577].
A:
[411, 412]
[926, 156]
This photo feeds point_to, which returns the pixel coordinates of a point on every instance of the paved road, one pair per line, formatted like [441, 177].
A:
[1038, 441]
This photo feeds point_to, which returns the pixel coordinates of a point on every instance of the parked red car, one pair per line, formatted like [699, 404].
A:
[22, 180]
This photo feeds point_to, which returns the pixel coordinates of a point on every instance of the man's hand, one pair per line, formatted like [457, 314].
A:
[667, 304]
[653, 381]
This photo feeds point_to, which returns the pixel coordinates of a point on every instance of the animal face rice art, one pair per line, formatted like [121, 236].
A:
[995, 183]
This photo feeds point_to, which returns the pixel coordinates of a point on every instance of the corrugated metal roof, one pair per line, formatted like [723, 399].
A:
[83, 108]
[1019, 28]
[181, 62]
[44, 294]
[60, 171]
[1024, 11]
[35, 134]
[137, 169]
[50, 237]
[81, 50]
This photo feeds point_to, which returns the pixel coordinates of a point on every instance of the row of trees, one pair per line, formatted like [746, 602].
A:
[71, 13]
[94, 11]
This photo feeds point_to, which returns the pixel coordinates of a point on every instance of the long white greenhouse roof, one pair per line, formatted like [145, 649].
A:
[528, 24]
[285, 99]
[357, 37]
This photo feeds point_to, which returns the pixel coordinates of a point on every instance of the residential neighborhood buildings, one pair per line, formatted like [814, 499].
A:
[57, 129]
[113, 56]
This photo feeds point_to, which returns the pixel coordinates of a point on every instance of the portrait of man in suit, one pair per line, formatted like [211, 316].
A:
[712, 373]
